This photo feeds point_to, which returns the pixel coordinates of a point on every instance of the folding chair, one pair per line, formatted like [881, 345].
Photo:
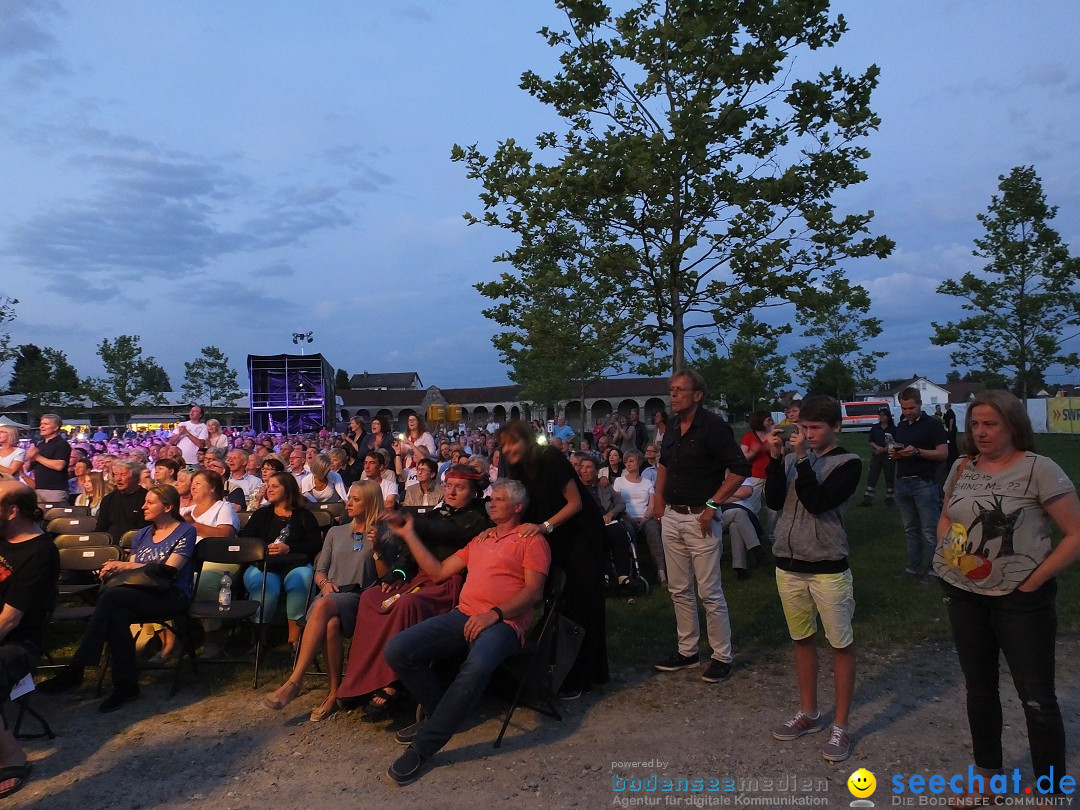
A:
[83, 540]
[76, 561]
[22, 700]
[127, 540]
[54, 512]
[336, 509]
[325, 521]
[75, 524]
[244, 517]
[227, 551]
[532, 667]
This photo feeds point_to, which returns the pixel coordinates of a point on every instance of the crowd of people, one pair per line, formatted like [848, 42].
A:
[446, 541]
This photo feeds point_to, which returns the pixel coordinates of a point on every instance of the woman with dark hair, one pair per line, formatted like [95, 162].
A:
[355, 437]
[444, 530]
[379, 438]
[753, 443]
[293, 540]
[659, 419]
[418, 443]
[562, 509]
[427, 491]
[167, 540]
[613, 467]
[997, 567]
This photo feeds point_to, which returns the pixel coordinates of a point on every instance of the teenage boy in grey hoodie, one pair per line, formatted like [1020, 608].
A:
[811, 486]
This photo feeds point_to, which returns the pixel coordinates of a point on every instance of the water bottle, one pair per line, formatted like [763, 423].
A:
[224, 597]
[283, 535]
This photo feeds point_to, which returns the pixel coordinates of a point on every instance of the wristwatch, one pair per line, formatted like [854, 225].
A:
[547, 527]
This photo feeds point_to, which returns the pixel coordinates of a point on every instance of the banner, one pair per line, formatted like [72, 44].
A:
[1063, 415]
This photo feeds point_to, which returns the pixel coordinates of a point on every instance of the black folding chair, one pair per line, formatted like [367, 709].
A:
[54, 512]
[533, 666]
[72, 524]
[335, 509]
[83, 540]
[241, 551]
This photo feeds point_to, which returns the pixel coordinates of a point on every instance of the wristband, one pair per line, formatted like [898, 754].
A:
[547, 528]
[712, 505]
[499, 613]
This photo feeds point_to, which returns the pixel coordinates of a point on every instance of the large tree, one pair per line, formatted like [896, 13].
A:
[837, 324]
[696, 168]
[1026, 301]
[129, 377]
[747, 367]
[209, 379]
[563, 329]
[44, 374]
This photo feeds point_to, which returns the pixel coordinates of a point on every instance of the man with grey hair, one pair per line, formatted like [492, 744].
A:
[506, 579]
[121, 510]
[48, 461]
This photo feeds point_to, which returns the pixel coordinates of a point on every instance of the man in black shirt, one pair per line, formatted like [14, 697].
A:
[121, 510]
[48, 460]
[923, 446]
[701, 465]
[29, 569]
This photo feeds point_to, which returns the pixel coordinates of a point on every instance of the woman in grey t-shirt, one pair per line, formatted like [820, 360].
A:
[997, 568]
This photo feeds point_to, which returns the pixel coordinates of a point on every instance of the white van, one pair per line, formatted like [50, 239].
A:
[861, 416]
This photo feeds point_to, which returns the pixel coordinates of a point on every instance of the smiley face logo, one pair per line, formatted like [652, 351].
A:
[862, 783]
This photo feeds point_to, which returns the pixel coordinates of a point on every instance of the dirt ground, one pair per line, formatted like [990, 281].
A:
[224, 750]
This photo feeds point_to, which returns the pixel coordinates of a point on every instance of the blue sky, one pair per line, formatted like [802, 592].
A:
[228, 173]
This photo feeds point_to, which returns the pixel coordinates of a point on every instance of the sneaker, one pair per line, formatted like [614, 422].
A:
[839, 745]
[742, 573]
[867, 501]
[407, 768]
[800, 724]
[677, 661]
[716, 671]
[910, 573]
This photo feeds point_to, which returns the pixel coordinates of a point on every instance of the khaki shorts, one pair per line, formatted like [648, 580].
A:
[806, 596]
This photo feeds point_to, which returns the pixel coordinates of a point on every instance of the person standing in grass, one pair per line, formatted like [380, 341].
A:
[811, 486]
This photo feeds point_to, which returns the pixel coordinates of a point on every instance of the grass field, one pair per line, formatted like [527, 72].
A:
[889, 610]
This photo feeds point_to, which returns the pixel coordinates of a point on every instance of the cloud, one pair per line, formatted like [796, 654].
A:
[33, 74]
[414, 12]
[23, 27]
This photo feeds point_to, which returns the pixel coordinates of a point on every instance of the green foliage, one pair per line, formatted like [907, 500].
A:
[695, 172]
[747, 368]
[129, 377]
[341, 380]
[1026, 297]
[558, 332]
[209, 379]
[44, 374]
[834, 318]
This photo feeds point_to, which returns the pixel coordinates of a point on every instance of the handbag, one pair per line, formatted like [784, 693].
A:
[568, 637]
[156, 577]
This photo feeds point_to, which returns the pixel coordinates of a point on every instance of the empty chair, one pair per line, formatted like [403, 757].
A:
[83, 540]
[74, 524]
[84, 561]
[54, 512]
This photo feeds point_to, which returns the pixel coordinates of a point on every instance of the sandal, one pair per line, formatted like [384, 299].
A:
[282, 697]
[19, 772]
[328, 707]
[381, 706]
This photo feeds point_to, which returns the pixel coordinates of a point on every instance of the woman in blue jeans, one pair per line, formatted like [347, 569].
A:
[997, 567]
[293, 540]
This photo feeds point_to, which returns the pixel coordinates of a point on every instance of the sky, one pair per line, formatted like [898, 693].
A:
[227, 174]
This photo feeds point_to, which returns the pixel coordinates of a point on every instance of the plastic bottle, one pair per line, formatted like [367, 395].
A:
[224, 597]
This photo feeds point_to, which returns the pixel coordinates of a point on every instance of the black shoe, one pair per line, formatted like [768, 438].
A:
[66, 679]
[867, 502]
[716, 671]
[757, 554]
[742, 573]
[407, 768]
[121, 696]
[406, 735]
[676, 661]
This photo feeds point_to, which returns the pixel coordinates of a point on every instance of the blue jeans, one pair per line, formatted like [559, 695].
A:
[1023, 626]
[411, 652]
[297, 585]
[920, 507]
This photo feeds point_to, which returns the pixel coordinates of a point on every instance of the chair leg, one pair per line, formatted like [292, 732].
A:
[24, 709]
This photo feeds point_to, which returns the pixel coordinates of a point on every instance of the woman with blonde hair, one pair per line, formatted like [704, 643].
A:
[12, 456]
[94, 488]
[354, 557]
[217, 438]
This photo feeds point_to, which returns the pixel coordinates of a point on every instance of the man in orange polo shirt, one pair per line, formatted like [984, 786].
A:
[506, 579]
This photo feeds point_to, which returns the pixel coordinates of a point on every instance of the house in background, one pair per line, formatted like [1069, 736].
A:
[930, 392]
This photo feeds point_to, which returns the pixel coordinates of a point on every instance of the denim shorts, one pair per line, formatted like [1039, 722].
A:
[806, 596]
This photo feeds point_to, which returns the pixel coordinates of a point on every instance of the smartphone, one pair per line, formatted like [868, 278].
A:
[788, 431]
